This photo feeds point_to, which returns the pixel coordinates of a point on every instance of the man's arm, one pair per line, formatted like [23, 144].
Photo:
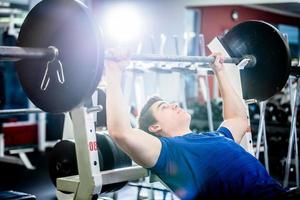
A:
[142, 147]
[234, 110]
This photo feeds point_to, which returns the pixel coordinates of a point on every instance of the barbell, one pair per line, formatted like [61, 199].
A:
[60, 56]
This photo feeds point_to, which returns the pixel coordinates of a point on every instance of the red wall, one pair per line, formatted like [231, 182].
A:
[216, 19]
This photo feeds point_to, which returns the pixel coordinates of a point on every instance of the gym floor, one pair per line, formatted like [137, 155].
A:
[36, 182]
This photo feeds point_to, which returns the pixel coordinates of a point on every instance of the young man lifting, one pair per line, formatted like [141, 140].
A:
[209, 165]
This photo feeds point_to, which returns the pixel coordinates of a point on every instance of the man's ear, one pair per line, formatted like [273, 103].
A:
[155, 128]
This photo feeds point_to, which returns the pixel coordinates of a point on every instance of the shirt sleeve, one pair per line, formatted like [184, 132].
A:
[226, 132]
[160, 163]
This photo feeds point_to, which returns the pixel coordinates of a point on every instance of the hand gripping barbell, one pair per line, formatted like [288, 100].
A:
[60, 56]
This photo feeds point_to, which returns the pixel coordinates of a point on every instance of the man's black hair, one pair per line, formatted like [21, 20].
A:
[146, 117]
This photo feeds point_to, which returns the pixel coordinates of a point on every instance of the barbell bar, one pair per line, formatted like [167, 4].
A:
[21, 111]
[60, 56]
[176, 58]
[25, 111]
[8, 53]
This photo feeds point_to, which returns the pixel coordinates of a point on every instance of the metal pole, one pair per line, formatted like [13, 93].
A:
[296, 137]
[296, 155]
[42, 143]
[22, 111]
[292, 137]
[2, 147]
[10, 53]
[207, 86]
[266, 156]
[262, 107]
[289, 156]
[208, 106]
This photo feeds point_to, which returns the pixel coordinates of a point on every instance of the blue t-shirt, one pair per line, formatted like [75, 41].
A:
[212, 166]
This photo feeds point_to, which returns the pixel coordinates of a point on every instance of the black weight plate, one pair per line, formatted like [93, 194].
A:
[106, 150]
[267, 44]
[112, 155]
[62, 160]
[119, 157]
[67, 25]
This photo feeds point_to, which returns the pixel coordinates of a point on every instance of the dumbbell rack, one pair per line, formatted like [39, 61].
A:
[90, 179]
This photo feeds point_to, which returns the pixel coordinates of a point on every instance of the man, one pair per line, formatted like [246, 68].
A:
[195, 166]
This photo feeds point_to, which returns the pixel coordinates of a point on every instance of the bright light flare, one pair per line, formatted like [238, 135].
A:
[123, 23]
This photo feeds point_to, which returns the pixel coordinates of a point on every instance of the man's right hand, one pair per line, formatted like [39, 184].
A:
[115, 67]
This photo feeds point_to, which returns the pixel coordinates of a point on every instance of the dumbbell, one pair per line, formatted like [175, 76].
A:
[282, 115]
[254, 112]
[287, 109]
[270, 113]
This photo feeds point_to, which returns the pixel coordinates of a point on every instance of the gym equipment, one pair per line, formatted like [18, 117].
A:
[286, 107]
[58, 71]
[58, 81]
[281, 116]
[101, 116]
[152, 188]
[293, 139]
[22, 158]
[63, 162]
[262, 135]
[90, 180]
[270, 111]
[254, 111]
[271, 52]
[20, 111]
[39, 117]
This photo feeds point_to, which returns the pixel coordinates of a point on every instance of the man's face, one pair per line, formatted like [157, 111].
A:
[171, 119]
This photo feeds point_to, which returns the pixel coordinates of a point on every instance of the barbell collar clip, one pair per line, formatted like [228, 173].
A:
[250, 101]
[55, 65]
[97, 108]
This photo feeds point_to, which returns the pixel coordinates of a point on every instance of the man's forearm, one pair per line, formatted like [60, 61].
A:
[233, 105]
[118, 121]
